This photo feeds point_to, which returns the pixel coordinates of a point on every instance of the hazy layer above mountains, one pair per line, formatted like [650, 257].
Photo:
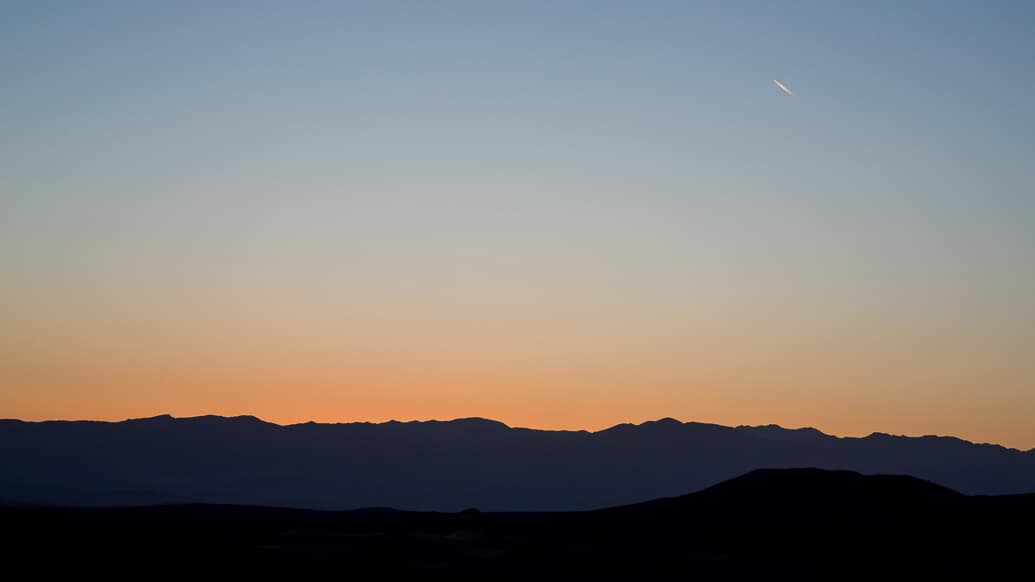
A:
[449, 465]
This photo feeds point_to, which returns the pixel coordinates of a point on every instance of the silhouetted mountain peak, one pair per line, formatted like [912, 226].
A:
[478, 422]
[775, 431]
[244, 419]
[812, 483]
[160, 419]
[666, 423]
[473, 423]
[206, 419]
[782, 494]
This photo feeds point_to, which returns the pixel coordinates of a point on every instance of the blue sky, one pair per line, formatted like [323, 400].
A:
[421, 158]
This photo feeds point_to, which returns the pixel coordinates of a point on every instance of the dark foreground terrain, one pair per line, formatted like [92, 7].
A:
[769, 524]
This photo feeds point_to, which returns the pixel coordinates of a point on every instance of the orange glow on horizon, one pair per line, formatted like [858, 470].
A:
[521, 382]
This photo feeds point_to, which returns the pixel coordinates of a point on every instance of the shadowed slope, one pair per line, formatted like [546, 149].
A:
[789, 498]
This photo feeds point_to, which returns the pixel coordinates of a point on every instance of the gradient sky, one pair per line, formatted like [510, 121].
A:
[554, 214]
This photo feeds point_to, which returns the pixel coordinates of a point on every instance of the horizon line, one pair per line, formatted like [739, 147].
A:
[508, 426]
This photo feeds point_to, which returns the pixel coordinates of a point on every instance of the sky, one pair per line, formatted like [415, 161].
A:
[554, 214]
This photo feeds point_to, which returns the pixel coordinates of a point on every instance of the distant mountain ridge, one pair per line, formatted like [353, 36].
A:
[450, 465]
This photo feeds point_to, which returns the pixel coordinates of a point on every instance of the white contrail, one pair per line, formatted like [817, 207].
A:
[783, 87]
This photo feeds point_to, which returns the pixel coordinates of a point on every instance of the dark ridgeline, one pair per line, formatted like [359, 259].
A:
[777, 524]
[448, 465]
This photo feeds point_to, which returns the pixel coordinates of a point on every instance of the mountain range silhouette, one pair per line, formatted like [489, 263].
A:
[450, 465]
